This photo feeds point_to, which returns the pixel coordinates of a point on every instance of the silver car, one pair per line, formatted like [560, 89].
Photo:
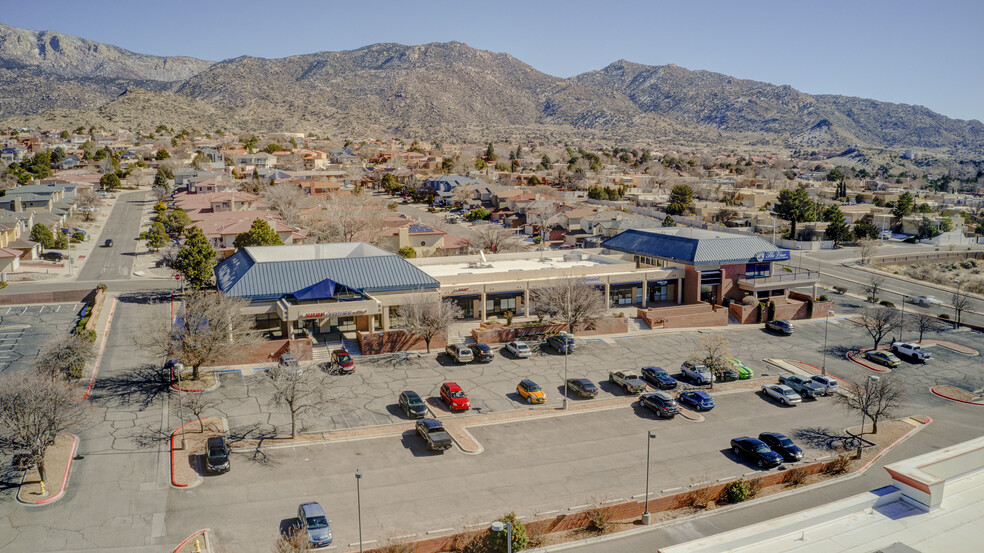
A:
[519, 349]
[314, 523]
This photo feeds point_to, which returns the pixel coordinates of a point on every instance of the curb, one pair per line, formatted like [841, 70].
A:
[173, 482]
[944, 396]
[852, 355]
[895, 443]
[64, 484]
[203, 532]
[102, 349]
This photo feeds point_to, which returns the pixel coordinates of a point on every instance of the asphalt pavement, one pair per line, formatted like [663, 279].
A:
[123, 227]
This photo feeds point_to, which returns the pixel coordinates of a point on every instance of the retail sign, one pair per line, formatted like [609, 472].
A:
[460, 290]
[662, 282]
[349, 313]
[588, 280]
[312, 315]
[779, 255]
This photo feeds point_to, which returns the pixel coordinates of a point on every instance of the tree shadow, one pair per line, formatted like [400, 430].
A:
[839, 351]
[825, 439]
[146, 298]
[140, 387]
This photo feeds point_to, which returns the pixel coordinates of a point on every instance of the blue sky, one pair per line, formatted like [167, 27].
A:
[915, 52]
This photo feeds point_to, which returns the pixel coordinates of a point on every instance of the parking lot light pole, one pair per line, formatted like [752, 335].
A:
[826, 323]
[358, 502]
[498, 526]
[956, 298]
[902, 322]
[646, 516]
[567, 348]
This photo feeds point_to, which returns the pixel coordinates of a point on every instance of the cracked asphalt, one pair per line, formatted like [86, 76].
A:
[119, 498]
[24, 329]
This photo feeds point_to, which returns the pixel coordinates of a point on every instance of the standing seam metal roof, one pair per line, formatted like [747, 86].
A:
[704, 248]
[240, 275]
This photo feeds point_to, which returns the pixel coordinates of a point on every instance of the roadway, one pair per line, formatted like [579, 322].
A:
[123, 227]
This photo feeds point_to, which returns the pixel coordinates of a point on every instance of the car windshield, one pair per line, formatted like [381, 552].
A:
[458, 394]
[522, 347]
[317, 523]
[415, 402]
[533, 388]
[760, 448]
[786, 442]
[216, 451]
[344, 358]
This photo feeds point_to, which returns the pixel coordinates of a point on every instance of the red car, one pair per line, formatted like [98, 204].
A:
[343, 361]
[454, 397]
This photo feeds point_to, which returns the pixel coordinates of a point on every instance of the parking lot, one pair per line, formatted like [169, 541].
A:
[24, 329]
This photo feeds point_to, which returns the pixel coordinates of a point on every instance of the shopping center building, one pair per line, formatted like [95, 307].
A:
[328, 289]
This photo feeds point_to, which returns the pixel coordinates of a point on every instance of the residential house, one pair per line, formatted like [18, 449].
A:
[218, 201]
[223, 227]
[258, 160]
[426, 241]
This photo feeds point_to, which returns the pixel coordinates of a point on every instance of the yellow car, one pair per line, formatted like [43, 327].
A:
[529, 390]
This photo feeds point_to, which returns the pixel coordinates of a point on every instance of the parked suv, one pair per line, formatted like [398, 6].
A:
[660, 403]
[562, 343]
[780, 327]
[460, 353]
[315, 524]
[216, 455]
[52, 256]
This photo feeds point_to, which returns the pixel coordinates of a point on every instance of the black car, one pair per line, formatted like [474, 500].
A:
[52, 256]
[780, 327]
[561, 343]
[582, 387]
[659, 378]
[660, 403]
[108, 243]
[412, 405]
[756, 450]
[482, 353]
[217, 455]
[782, 445]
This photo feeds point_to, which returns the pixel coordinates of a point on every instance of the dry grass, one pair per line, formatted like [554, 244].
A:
[601, 517]
[795, 477]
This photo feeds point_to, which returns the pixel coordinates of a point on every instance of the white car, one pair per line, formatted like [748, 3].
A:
[926, 301]
[698, 373]
[828, 382]
[912, 351]
[519, 349]
[782, 393]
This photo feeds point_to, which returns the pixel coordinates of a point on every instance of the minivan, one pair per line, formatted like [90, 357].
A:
[315, 524]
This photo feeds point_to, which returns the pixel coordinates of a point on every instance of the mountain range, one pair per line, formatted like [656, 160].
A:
[446, 91]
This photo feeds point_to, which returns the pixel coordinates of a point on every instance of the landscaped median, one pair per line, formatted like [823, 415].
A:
[58, 467]
[188, 446]
[960, 395]
[857, 355]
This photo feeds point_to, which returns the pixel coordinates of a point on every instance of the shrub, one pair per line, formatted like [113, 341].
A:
[944, 316]
[600, 518]
[887, 303]
[758, 312]
[3, 284]
[772, 311]
[101, 286]
[754, 487]
[839, 465]
[698, 498]
[497, 540]
[143, 235]
[509, 317]
[737, 491]
[89, 335]
[749, 300]
[795, 477]
[968, 263]
[77, 237]
[823, 297]
[840, 289]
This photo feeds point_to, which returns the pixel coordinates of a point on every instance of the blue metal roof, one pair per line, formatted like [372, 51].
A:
[242, 276]
[695, 247]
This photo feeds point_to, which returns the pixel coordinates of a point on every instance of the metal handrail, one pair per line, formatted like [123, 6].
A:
[797, 274]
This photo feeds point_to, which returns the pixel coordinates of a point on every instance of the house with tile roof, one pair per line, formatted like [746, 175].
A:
[223, 227]
[426, 241]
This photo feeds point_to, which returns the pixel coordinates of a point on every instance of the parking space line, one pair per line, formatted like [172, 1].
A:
[8, 310]
[40, 311]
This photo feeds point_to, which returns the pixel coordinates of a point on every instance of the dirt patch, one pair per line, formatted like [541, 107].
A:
[205, 380]
[188, 444]
[959, 394]
[57, 460]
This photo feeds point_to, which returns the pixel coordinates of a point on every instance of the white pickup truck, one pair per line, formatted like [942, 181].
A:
[912, 351]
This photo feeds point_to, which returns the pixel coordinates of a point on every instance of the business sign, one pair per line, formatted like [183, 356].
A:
[588, 280]
[662, 282]
[312, 315]
[334, 314]
[779, 255]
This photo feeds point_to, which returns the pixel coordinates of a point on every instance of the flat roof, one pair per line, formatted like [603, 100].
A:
[530, 263]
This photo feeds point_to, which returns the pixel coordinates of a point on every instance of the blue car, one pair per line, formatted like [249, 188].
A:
[658, 378]
[699, 400]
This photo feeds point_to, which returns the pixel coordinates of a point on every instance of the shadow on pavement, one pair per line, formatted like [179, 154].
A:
[826, 439]
[415, 444]
[140, 387]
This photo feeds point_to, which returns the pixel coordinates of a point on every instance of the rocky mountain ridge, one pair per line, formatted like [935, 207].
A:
[446, 91]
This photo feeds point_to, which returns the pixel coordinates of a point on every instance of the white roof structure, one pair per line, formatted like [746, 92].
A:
[934, 505]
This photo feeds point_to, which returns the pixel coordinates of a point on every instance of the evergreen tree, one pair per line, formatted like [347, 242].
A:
[42, 235]
[259, 234]
[176, 221]
[162, 154]
[865, 230]
[903, 205]
[110, 181]
[794, 206]
[681, 196]
[669, 222]
[490, 154]
[837, 230]
[196, 259]
[156, 237]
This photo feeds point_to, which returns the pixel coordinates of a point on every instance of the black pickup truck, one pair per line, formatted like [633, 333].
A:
[433, 432]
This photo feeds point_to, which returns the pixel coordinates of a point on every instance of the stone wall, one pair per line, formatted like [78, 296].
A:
[10, 297]
[372, 343]
[684, 316]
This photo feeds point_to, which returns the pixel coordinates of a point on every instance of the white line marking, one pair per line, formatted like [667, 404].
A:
[442, 530]
[668, 490]
[579, 507]
[726, 478]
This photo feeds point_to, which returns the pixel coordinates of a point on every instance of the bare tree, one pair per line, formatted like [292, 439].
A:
[570, 300]
[866, 249]
[87, 201]
[872, 288]
[960, 303]
[198, 403]
[286, 201]
[210, 327]
[347, 217]
[712, 350]
[299, 391]
[879, 322]
[426, 315]
[34, 410]
[64, 357]
[923, 323]
[292, 541]
[496, 239]
[874, 398]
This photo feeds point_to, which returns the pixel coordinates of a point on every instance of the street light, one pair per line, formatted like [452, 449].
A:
[499, 526]
[826, 323]
[358, 500]
[956, 301]
[867, 392]
[646, 517]
[902, 322]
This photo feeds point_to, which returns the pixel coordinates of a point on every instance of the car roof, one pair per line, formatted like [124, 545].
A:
[451, 386]
[312, 509]
[340, 352]
[654, 369]
[663, 396]
[411, 394]
[782, 387]
[430, 423]
[216, 440]
[527, 382]
[776, 435]
[483, 347]
[583, 381]
[519, 343]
